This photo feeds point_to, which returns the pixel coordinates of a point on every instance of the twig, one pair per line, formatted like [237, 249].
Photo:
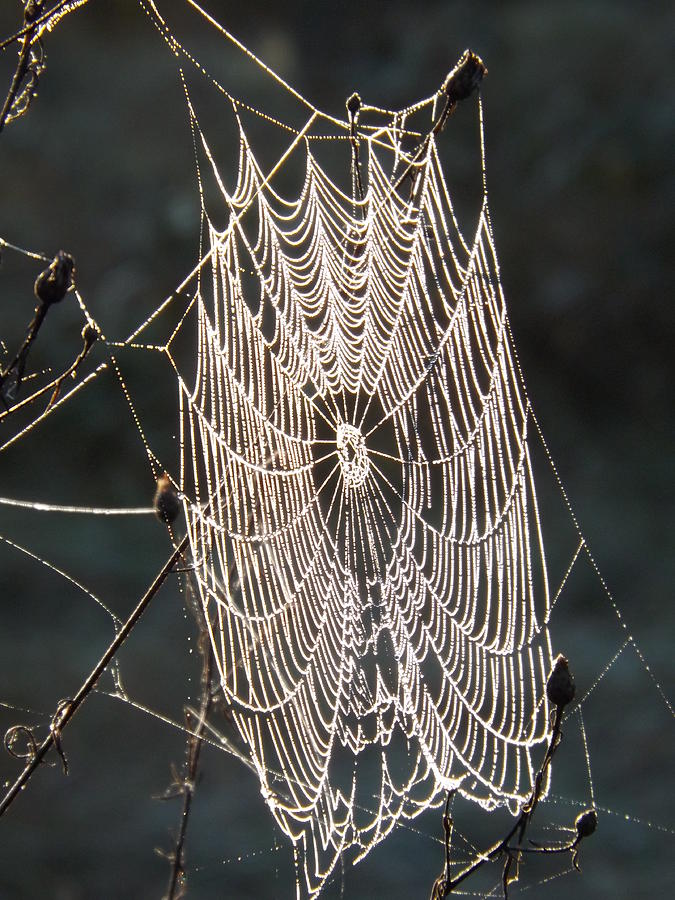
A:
[585, 824]
[461, 82]
[444, 878]
[167, 505]
[46, 19]
[32, 11]
[560, 691]
[89, 336]
[18, 364]
[51, 286]
[189, 783]
[68, 708]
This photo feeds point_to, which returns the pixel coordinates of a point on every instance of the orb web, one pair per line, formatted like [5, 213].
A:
[373, 628]
[361, 509]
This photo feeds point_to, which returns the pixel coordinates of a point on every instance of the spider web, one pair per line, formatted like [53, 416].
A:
[358, 487]
[363, 602]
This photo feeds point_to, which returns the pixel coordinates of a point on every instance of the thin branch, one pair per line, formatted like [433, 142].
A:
[68, 708]
[44, 21]
[461, 82]
[189, 783]
[560, 692]
[17, 366]
[167, 506]
[51, 286]
[29, 65]
[166, 510]
[89, 336]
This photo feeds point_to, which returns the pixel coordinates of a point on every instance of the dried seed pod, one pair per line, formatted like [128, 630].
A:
[465, 77]
[560, 685]
[32, 11]
[52, 283]
[586, 823]
[90, 334]
[166, 502]
[353, 105]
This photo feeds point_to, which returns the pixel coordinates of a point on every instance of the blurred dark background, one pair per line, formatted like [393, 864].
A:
[580, 128]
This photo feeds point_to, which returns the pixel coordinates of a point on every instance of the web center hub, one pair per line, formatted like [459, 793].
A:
[352, 454]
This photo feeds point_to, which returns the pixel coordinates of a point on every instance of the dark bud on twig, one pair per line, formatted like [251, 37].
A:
[167, 502]
[353, 105]
[52, 284]
[90, 334]
[560, 685]
[32, 10]
[465, 77]
[586, 823]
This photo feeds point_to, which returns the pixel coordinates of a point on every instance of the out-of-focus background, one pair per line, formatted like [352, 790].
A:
[580, 128]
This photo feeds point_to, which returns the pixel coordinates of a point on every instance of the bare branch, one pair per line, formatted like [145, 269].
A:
[68, 708]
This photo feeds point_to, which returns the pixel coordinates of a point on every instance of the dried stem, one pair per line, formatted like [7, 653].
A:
[353, 108]
[47, 19]
[68, 708]
[194, 745]
[51, 286]
[444, 884]
[30, 24]
[89, 336]
[461, 82]
[560, 691]
[18, 364]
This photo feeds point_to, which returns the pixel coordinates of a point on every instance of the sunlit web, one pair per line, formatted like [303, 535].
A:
[361, 505]
[358, 486]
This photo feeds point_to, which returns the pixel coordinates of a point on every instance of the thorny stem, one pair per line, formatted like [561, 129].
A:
[68, 708]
